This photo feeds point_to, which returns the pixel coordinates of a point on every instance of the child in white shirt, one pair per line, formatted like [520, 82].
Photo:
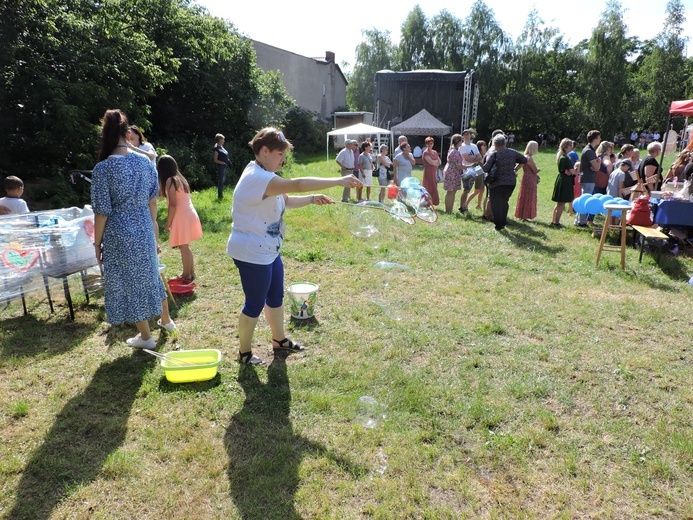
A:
[13, 202]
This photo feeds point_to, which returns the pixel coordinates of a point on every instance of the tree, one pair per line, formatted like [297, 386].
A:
[540, 84]
[375, 53]
[662, 70]
[63, 63]
[608, 107]
[486, 49]
[446, 41]
[176, 71]
[415, 47]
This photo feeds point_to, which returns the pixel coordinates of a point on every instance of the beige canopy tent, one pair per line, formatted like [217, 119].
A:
[358, 130]
[423, 123]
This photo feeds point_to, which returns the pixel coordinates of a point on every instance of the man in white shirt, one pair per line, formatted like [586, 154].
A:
[400, 141]
[471, 157]
[345, 159]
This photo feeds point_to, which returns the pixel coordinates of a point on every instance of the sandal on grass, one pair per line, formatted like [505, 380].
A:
[247, 358]
[287, 345]
[184, 279]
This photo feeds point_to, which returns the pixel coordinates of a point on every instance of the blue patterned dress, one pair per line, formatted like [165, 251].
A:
[121, 190]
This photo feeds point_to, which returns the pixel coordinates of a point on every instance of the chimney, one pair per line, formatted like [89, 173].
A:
[329, 56]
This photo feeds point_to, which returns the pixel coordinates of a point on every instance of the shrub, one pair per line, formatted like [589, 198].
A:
[305, 131]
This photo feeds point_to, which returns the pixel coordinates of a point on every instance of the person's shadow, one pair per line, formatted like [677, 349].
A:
[90, 427]
[264, 454]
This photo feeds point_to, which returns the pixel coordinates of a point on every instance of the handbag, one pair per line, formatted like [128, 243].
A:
[440, 175]
[492, 174]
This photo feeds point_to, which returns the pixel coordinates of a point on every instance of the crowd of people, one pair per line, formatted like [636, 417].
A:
[491, 175]
[126, 183]
[128, 180]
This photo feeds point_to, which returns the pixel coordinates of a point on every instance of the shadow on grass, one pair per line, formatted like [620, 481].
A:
[525, 236]
[87, 430]
[670, 265]
[309, 324]
[27, 336]
[264, 453]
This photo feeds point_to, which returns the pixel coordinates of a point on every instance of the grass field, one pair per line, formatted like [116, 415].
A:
[517, 380]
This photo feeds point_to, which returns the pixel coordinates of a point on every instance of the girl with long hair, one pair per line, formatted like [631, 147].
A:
[182, 222]
[563, 187]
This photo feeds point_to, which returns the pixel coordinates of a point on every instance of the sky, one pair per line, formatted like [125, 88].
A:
[310, 28]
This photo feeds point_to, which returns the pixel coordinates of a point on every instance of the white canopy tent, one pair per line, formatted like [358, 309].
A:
[359, 129]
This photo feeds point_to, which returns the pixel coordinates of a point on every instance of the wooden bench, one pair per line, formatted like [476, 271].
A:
[644, 235]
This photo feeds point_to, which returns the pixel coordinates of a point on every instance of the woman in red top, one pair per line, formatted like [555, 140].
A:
[431, 162]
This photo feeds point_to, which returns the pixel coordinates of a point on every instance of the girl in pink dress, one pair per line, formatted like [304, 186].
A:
[527, 199]
[182, 222]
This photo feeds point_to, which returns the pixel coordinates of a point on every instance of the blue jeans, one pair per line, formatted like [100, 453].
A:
[262, 284]
[221, 179]
[587, 187]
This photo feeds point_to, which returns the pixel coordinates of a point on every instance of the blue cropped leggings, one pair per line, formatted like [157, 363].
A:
[262, 284]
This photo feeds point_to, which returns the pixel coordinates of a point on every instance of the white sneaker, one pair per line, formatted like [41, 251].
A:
[138, 342]
[169, 327]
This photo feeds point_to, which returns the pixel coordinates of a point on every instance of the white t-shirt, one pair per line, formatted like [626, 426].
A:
[14, 204]
[147, 147]
[257, 232]
[469, 149]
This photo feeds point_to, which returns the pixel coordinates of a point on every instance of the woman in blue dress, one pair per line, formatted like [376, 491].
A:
[123, 196]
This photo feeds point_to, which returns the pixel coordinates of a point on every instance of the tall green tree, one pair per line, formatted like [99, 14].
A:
[374, 53]
[215, 82]
[526, 111]
[605, 74]
[541, 82]
[446, 41]
[663, 70]
[486, 48]
[63, 63]
[178, 72]
[415, 50]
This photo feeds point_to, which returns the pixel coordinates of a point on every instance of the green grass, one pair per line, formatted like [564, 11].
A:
[519, 380]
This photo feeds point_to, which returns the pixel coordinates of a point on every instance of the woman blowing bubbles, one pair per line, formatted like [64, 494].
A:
[257, 233]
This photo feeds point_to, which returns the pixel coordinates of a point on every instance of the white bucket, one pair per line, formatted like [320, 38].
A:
[302, 296]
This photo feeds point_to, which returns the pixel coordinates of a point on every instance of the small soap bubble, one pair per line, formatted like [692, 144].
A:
[394, 309]
[390, 272]
[362, 224]
[369, 412]
[381, 462]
